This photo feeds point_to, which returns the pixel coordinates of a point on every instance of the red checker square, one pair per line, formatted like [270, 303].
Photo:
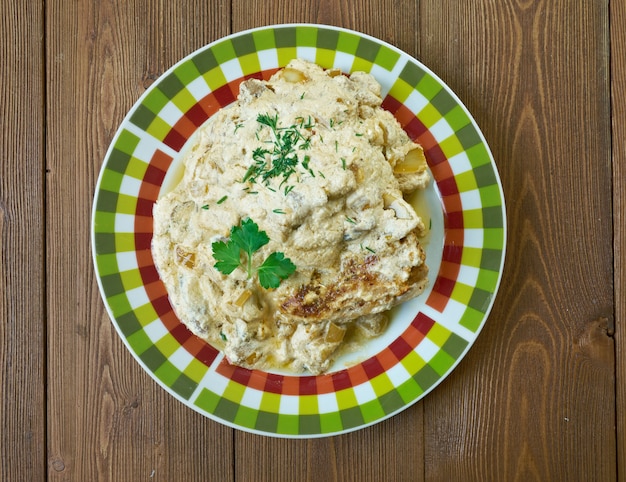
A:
[175, 140]
[423, 323]
[161, 160]
[149, 274]
[224, 95]
[154, 175]
[185, 127]
[143, 224]
[197, 115]
[241, 375]
[274, 383]
[400, 348]
[372, 367]
[434, 154]
[308, 385]
[234, 86]
[162, 306]
[444, 285]
[392, 105]
[207, 355]
[143, 241]
[453, 220]
[181, 333]
[417, 131]
[144, 207]
[341, 380]
[447, 187]
[452, 253]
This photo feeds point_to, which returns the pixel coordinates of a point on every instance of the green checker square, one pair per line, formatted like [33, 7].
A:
[455, 346]
[187, 72]
[270, 402]
[367, 50]
[107, 264]
[224, 51]
[429, 115]
[400, 90]
[243, 44]
[373, 410]
[118, 160]
[288, 424]
[381, 384]
[457, 117]
[471, 319]
[184, 100]
[126, 142]
[153, 358]
[207, 400]
[465, 181]
[128, 323]
[143, 117]
[438, 334]
[478, 155]
[327, 40]
[444, 102]
[494, 238]
[234, 392]
[158, 128]
[485, 175]
[107, 201]
[441, 362]
[451, 146]
[124, 242]
[171, 85]
[351, 417]
[429, 87]
[310, 424]
[426, 377]
[473, 218]
[480, 300]
[491, 259]
[112, 284]
[168, 345]
[131, 279]
[184, 386]
[119, 304]
[409, 390]
[412, 362]
[246, 417]
[111, 180]
[153, 102]
[390, 402]
[286, 55]
[226, 410]
[250, 64]
[461, 293]
[308, 404]
[167, 373]
[346, 398]
[196, 370]
[306, 36]
[204, 61]
[468, 136]
[325, 58]
[215, 79]
[104, 243]
[488, 280]
[348, 42]
[146, 314]
[126, 205]
[471, 256]
[492, 217]
[330, 422]
[387, 58]
[412, 74]
[285, 37]
[264, 39]
[104, 222]
[490, 196]
[266, 421]
[361, 65]
[139, 341]
[136, 168]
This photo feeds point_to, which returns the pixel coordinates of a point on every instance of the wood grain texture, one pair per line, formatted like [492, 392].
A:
[22, 302]
[618, 94]
[539, 383]
[107, 419]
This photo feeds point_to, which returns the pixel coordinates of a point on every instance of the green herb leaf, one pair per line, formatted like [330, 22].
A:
[275, 269]
[227, 255]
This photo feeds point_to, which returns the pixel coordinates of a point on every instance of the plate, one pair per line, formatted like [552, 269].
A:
[427, 337]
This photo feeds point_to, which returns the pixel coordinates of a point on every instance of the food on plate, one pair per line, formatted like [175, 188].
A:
[288, 238]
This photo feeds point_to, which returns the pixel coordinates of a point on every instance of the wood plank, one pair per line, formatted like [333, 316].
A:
[108, 419]
[618, 115]
[534, 399]
[22, 291]
[393, 449]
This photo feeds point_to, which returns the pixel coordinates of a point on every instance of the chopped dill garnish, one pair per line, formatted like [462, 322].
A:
[343, 163]
[237, 127]
[221, 200]
[278, 211]
[350, 220]
[205, 207]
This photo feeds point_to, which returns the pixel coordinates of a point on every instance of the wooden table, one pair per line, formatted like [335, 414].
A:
[540, 396]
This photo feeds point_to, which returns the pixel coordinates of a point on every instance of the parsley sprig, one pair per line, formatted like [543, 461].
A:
[249, 239]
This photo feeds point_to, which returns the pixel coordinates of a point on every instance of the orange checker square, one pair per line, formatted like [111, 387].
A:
[185, 127]
[454, 237]
[403, 115]
[441, 170]
[144, 258]
[437, 301]
[357, 374]
[149, 191]
[387, 359]
[290, 385]
[449, 270]
[143, 224]
[161, 160]
[412, 336]
[452, 203]
[325, 384]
